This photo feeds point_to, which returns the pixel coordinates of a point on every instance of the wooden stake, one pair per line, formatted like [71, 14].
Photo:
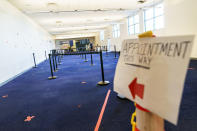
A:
[147, 121]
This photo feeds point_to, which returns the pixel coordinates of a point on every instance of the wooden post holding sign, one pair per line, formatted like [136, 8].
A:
[147, 121]
[151, 72]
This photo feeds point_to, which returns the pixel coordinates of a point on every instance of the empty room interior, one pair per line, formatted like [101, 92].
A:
[98, 65]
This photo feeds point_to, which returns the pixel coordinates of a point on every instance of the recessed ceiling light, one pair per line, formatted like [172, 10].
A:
[89, 20]
[27, 5]
[52, 5]
[58, 22]
[106, 19]
[141, 1]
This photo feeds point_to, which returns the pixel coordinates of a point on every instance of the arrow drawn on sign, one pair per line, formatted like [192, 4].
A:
[136, 89]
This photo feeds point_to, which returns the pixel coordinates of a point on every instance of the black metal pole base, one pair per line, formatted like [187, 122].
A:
[52, 77]
[35, 67]
[121, 97]
[103, 83]
[56, 70]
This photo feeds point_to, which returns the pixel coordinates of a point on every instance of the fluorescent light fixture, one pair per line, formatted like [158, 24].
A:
[75, 36]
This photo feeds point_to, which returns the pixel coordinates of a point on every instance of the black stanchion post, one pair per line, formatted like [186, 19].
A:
[91, 58]
[35, 66]
[52, 76]
[103, 82]
[54, 69]
[85, 58]
[106, 51]
[56, 62]
[115, 51]
[59, 59]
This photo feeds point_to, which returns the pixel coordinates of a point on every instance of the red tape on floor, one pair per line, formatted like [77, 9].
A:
[102, 111]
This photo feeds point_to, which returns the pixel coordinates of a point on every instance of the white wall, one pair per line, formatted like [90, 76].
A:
[97, 39]
[180, 19]
[19, 38]
[117, 41]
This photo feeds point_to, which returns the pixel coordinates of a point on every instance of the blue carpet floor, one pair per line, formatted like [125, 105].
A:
[65, 104]
[188, 111]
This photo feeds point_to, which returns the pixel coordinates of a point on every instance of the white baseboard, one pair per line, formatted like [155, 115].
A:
[12, 78]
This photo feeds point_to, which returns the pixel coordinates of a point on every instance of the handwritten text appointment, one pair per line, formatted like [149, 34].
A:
[141, 54]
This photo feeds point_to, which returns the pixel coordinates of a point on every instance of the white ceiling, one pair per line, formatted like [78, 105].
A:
[60, 18]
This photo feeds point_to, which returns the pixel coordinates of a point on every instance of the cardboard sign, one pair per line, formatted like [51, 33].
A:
[151, 72]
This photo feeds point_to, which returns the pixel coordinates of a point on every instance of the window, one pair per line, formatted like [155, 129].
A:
[133, 25]
[116, 30]
[102, 37]
[154, 18]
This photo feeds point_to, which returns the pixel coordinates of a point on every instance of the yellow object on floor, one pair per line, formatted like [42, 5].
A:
[133, 123]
